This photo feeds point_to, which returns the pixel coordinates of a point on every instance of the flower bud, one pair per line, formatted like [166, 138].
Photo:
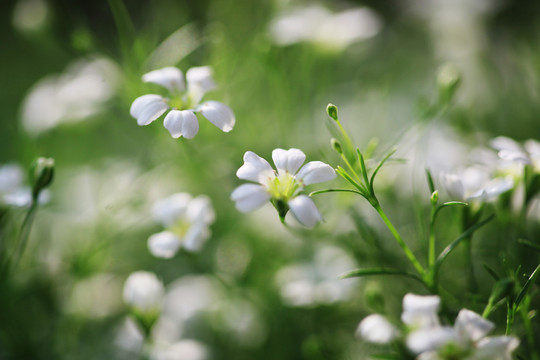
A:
[143, 293]
[448, 80]
[41, 175]
[336, 146]
[331, 109]
[434, 197]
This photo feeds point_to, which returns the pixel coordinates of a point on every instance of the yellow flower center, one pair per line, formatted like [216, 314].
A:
[284, 187]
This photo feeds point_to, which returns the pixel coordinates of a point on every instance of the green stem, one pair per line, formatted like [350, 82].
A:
[397, 236]
[524, 312]
[432, 257]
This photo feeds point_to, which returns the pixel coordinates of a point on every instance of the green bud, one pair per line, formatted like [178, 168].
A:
[41, 175]
[434, 197]
[448, 80]
[336, 146]
[331, 109]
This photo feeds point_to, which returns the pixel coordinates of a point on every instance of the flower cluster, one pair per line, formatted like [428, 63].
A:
[426, 338]
[183, 102]
[186, 219]
[284, 187]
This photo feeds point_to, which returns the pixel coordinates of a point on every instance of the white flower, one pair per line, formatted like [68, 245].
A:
[13, 189]
[187, 220]
[181, 350]
[183, 102]
[465, 340]
[284, 187]
[376, 329]
[80, 92]
[144, 292]
[474, 183]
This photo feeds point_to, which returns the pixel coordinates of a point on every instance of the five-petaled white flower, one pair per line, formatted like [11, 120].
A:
[184, 102]
[186, 219]
[284, 187]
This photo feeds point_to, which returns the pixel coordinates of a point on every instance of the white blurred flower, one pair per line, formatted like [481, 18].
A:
[184, 102]
[80, 92]
[315, 283]
[180, 350]
[284, 187]
[474, 183]
[376, 329]
[467, 339]
[144, 292]
[318, 25]
[187, 221]
[13, 188]
[30, 15]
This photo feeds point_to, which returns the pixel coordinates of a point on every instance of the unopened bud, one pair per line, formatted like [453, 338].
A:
[41, 175]
[434, 197]
[331, 109]
[448, 80]
[336, 146]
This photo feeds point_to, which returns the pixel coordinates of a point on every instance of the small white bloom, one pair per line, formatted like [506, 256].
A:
[420, 311]
[283, 187]
[183, 102]
[13, 188]
[144, 292]
[376, 329]
[180, 350]
[186, 219]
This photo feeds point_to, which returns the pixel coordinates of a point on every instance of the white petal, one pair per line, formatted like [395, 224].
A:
[498, 186]
[376, 329]
[453, 185]
[496, 348]
[420, 311]
[305, 211]
[144, 291]
[195, 237]
[249, 197]
[288, 160]
[164, 244]
[200, 210]
[471, 326]
[255, 168]
[148, 108]
[169, 210]
[430, 339]
[504, 143]
[218, 114]
[315, 172]
[181, 123]
[199, 81]
[169, 77]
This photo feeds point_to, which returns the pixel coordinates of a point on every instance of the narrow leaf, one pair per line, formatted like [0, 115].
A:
[430, 181]
[378, 271]
[456, 242]
[381, 163]
[526, 287]
[491, 272]
[529, 244]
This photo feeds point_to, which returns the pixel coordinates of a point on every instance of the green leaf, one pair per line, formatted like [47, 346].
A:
[381, 163]
[491, 272]
[378, 271]
[386, 356]
[529, 244]
[527, 286]
[456, 242]
[174, 48]
[430, 181]
[334, 190]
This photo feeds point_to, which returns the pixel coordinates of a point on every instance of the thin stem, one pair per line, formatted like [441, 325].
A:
[398, 238]
[432, 257]
[524, 312]
[318, 192]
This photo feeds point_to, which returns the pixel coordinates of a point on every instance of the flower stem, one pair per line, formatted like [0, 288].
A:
[397, 236]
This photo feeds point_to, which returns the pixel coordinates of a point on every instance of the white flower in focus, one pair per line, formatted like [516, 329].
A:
[284, 187]
[183, 102]
[144, 292]
[376, 329]
[187, 221]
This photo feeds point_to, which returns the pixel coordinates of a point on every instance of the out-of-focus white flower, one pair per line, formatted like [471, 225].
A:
[30, 15]
[284, 187]
[474, 183]
[95, 297]
[13, 189]
[144, 292]
[318, 25]
[184, 102]
[466, 339]
[315, 283]
[376, 329]
[187, 220]
[182, 350]
[80, 92]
